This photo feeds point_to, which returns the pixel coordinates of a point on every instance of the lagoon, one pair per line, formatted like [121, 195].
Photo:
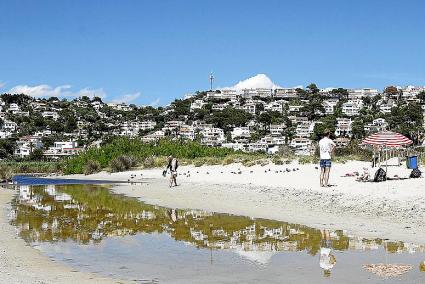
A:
[91, 229]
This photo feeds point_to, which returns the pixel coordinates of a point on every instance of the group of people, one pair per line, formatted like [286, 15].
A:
[326, 146]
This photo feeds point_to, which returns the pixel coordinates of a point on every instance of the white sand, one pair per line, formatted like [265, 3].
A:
[392, 209]
[19, 263]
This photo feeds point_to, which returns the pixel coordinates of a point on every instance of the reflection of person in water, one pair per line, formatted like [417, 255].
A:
[172, 214]
[327, 259]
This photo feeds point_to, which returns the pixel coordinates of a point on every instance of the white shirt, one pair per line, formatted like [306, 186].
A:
[326, 145]
[326, 262]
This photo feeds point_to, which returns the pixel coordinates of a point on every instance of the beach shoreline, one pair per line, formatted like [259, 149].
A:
[20, 263]
[392, 210]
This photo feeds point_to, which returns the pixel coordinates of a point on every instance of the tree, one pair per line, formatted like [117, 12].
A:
[341, 93]
[36, 155]
[357, 128]
[229, 118]
[327, 122]
[408, 120]
[313, 89]
[421, 97]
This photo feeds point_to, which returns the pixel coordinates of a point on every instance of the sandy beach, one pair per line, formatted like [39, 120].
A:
[19, 263]
[393, 209]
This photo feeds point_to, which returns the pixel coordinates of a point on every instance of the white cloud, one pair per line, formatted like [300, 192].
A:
[154, 103]
[258, 81]
[127, 98]
[59, 91]
[2, 84]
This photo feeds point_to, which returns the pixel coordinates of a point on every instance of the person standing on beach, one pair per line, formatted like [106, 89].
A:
[327, 146]
[173, 164]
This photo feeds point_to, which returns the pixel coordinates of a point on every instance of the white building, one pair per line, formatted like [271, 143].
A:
[240, 132]
[329, 106]
[361, 93]
[62, 149]
[197, 104]
[343, 127]
[14, 108]
[187, 132]
[277, 129]
[285, 93]
[274, 106]
[302, 146]
[50, 114]
[377, 125]
[10, 125]
[212, 136]
[120, 106]
[352, 107]
[305, 129]
[386, 106]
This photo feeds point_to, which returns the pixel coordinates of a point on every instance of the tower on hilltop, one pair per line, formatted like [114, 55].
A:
[211, 80]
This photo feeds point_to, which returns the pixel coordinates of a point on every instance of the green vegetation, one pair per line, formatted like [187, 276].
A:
[31, 167]
[92, 167]
[122, 163]
[124, 153]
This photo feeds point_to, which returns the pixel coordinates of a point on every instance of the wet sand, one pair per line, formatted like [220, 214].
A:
[20, 263]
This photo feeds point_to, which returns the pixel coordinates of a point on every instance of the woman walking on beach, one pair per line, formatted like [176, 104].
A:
[327, 146]
[173, 164]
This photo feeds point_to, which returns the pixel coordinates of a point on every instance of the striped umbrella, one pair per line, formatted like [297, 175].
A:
[387, 139]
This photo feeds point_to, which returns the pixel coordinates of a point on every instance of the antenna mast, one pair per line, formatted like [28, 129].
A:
[211, 80]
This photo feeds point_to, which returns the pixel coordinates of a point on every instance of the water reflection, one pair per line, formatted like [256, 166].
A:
[89, 213]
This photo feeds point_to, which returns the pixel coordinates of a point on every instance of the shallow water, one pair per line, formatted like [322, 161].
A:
[91, 229]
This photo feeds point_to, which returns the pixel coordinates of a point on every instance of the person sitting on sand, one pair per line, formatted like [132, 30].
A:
[365, 175]
[326, 146]
[173, 164]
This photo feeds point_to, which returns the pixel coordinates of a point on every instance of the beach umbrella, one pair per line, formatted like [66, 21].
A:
[387, 139]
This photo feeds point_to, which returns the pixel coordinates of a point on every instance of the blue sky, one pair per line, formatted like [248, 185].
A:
[154, 51]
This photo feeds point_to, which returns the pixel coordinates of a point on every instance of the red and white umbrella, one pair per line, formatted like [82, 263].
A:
[387, 139]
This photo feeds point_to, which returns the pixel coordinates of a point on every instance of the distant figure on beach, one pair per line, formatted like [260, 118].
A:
[327, 146]
[327, 260]
[173, 164]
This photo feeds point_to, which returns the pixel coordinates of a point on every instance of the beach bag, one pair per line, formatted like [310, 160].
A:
[416, 173]
[380, 175]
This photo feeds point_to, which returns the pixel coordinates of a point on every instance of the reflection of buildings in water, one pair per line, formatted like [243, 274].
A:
[256, 235]
[146, 215]
[197, 235]
[358, 243]
[197, 214]
[274, 233]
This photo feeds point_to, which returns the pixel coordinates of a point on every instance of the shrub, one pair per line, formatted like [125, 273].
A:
[149, 162]
[198, 162]
[308, 160]
[249, 163]
[92, 167]
[228, 160]
[277, 161]
[6, 172]
[122, 163]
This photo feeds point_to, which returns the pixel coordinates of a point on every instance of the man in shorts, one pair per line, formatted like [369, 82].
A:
[326, 146]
